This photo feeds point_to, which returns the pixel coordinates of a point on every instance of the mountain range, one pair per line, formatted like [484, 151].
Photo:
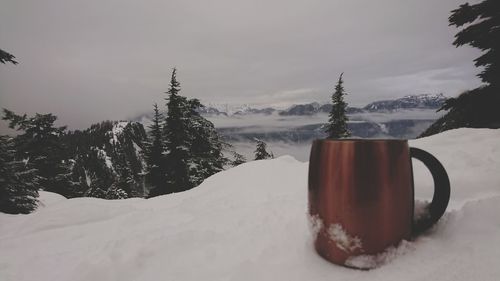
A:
[404, 118]
[423, 101]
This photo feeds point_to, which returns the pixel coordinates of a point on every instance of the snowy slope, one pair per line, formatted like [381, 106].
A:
[250, 223]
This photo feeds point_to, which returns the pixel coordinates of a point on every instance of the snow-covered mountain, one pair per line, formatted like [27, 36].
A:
[426, 101]
[250, 223]
[106, 156]
[410, 102]
[405, 117]
[236, 110]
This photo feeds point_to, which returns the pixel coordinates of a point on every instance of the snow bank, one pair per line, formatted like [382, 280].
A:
[250, 223]
[49, 198]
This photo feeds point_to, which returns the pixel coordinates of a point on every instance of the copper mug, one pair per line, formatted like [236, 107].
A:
[361, 196]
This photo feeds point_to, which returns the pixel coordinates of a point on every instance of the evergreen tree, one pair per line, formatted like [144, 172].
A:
[476, 108]
[154, 154]
[18, 188]
[41, 146]
[261, 152]
[207, 156]
[108, 153]
[6, 57]
[337, 123]
[193, 149]
[115, 192]
[238, 159]
[482, 32]
[177, 146]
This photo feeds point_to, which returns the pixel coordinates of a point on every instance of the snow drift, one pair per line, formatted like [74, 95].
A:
[250, 223]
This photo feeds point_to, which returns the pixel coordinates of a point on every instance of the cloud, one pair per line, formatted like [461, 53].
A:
[91, 60]
[450, 80]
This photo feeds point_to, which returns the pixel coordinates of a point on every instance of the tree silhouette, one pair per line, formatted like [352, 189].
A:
[176, 138]
[482, 31]
[156, 177]
[6, 57]
[337, 123]
[476, 108]
[18, 182]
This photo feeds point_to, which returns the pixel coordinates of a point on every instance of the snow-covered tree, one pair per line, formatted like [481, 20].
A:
[18, 188]
[261, 152]
[238, 159]
[177, 140]
[192, 146]
[337, 122]
[115, 192]
[42, 147]
[206, 147]
[155, 177]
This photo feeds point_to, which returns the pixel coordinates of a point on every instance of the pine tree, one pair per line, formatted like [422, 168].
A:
[476, 108]
[18, 188]
[207, 156]
[41, 146]
[261, 152]
[6, 57]
[155, 177]
[192, 147]
[337, 123]
[115, 192]
[238, 159]
[177, 147]
[482, 32]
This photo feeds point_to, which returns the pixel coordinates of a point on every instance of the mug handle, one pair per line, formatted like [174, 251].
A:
[441, 195]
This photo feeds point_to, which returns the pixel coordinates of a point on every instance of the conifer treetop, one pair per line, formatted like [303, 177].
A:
[175, 86]
[337, 122]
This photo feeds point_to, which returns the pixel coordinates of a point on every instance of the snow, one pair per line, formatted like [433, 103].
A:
[49, 198]
[88, 180]
[375, 261]
[251, 223]
[117, 130]
[343, 240]
[102, 153]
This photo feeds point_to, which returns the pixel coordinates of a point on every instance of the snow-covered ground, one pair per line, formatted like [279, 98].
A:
[250, 223]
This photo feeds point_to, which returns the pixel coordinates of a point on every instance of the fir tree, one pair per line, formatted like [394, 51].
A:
[6, 57]
[238, 159]
[476, 108]
[115, 192]
[177, 147]
[482, 31]
[41, 146]
[18, 188]
[337, 123]
[192, 148]
[154, 154]
[207, 156]
[261, 152]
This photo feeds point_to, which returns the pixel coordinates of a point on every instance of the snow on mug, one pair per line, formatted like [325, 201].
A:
[361, 197]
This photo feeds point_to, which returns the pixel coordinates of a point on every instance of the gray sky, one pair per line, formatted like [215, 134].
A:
[88, 61]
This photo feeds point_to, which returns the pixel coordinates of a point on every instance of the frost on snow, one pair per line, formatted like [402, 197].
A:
[343, 240]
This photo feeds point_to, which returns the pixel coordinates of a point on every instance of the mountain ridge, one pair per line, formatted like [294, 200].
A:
[408, 102]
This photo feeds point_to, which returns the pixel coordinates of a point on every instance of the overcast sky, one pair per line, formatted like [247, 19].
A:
[88, 61]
